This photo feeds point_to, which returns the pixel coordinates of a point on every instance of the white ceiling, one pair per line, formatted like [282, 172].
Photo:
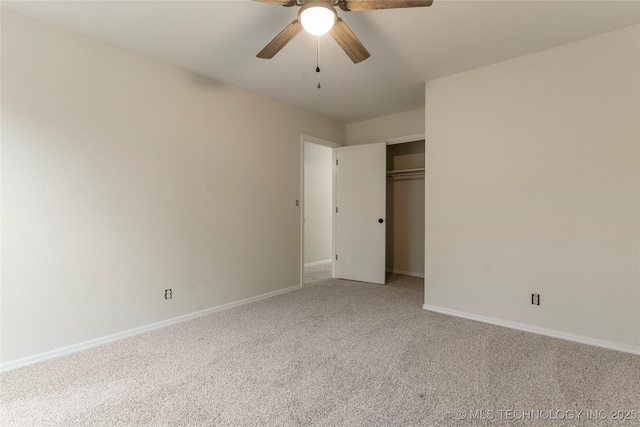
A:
[220, 39]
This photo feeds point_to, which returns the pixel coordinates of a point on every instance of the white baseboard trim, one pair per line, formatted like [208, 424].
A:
[324, 261]
[4, 367]
[407, 273]
[533, 329]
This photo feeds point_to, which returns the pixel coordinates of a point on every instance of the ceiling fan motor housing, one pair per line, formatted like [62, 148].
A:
[317, 17]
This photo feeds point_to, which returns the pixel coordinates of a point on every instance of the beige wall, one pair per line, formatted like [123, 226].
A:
[532, 187]
[123, 176]
[386, 127]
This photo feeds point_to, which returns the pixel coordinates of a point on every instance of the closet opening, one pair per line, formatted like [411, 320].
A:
[405, 203]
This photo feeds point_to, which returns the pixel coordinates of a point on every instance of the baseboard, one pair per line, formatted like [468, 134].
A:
[533, 329]
[4, 367]
[311, 264]
[406, 273]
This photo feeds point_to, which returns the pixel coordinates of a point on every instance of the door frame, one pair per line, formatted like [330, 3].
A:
[388, 141]
[398, 139]
[333, 145]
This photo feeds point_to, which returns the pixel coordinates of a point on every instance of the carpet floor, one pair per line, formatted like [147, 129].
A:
[317, 272]
[334, 353]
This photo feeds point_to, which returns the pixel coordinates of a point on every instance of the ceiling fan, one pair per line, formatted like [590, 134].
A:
[319, 17]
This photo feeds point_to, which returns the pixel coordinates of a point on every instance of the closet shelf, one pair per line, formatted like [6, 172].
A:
[405, 172]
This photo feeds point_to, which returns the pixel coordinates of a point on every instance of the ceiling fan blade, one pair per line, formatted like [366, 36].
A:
[280, 40]
[349, 42]
[358, 5]
[287, 3]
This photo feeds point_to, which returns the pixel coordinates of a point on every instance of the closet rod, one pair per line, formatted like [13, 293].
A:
[406, 172]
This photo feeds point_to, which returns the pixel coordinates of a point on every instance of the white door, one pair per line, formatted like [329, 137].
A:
[361, 207]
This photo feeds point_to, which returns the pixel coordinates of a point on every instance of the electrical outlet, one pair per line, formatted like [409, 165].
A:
[168, 294]
[535, 299]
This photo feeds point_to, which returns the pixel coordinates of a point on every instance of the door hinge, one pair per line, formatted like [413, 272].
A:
[336, 209]
[336, 257]
[336, 162]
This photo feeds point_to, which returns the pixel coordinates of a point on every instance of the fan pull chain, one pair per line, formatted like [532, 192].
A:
[318, 61]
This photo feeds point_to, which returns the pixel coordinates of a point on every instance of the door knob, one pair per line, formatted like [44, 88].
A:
[381, 220]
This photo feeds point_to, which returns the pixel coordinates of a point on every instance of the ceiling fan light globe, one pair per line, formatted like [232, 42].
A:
[317, 20]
